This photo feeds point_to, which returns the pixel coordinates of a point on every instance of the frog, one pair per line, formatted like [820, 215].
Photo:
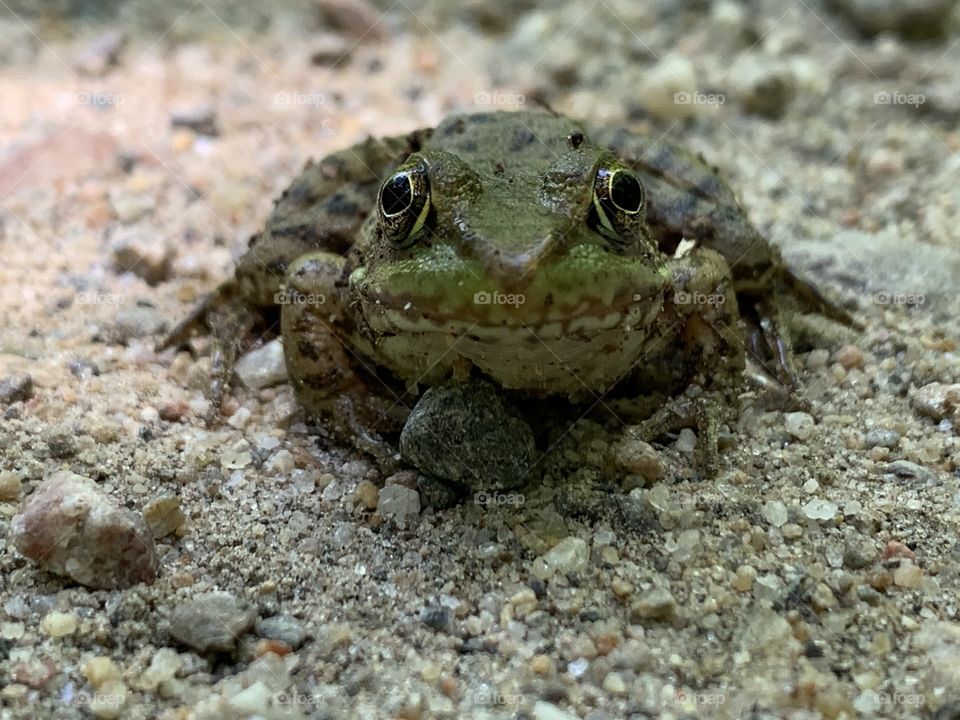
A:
[524, 253]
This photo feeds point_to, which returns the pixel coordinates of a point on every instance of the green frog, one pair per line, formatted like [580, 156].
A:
[518, 252]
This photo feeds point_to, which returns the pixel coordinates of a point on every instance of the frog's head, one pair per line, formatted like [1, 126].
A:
[508, 219]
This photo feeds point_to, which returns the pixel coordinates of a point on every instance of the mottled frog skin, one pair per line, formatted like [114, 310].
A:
[516, 247]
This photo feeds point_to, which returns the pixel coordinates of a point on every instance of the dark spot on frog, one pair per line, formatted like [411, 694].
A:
[468, 146]
[308, 350]
[575, 140]
[456, 128]
[340, 204]
[498, 168]
[521, 138]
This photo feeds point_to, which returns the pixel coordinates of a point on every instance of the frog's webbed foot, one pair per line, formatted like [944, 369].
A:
[700, 411]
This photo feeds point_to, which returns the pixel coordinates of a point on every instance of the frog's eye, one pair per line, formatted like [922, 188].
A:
[404, 204]
[618, 205]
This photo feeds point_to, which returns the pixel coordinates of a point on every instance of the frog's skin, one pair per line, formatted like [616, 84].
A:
[380, 258]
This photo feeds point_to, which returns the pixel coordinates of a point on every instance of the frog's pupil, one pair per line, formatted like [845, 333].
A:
[397, 195]
[625, 191]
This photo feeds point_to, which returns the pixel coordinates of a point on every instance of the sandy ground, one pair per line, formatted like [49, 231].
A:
[817, 577]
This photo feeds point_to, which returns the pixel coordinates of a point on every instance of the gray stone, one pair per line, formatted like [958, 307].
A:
[211, 622]
[262, 367]
[285, 628]
[16, 388]
[469, 434]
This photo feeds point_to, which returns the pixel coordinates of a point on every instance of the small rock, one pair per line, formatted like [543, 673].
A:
[819, 509]
[658, 605]
[859, 554]
[72, 528]
[164, 666]
[850, 356]
[543, 710]
[799, 425]
[201, 119]
[138, 321]
[613, 683]
[908, 575]
[686, 440]
[97, 56]
[400, 503]
[16, 388]
[130, 207]
[764, 85]
[57, 624]
[439, 618]
[908, 470]
[774, 512]
[670, 88]
[282, 461]
[823, 598]
[211, 622]
[132, 251]
[918, 19]
[937, 400]
[99, 670]
[468, 433]
[881, 437]
[11, 486]
[638, 457]
[262, 367]
[285, 628]
[368, 494]
[744, 578]
[329, 50]
[357, 19]
[791, 531]
[569, 555]
[163, 515]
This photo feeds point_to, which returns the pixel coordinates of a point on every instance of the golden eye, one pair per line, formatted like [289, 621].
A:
[618, 206]
[404, 203]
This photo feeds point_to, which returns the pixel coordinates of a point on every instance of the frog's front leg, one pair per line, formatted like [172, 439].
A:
[322, 366]
[704, 313]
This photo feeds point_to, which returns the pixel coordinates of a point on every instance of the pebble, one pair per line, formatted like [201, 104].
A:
[764, 85]
[285, 628]
[613, 683]
[138, 321]
[141, 253]
[798, 424]
[908, 470]
[439, 618]
[98, 670]
[744, 578]
[819, 509]
[569, 555]
[468, 433]
[211, 622]
[908, 575]
[329, 50]
[638, 457]
[282, 461]
[917, 19]
[669, 88]
[543, 710]
[400, 503]
[100, 54]
[791, 531]
[58, 624]
[11, 487]
[850, 357]
[657, 605]
[201, 119]
[686, 440]
[71, 527]
[937, 400]
[128, 208]
[263, 367]
[164, 666]
[357, 19]
[823, 598]
[881, 437]
[16, 388]
[163, 515]
[774, 512]
[367, 494]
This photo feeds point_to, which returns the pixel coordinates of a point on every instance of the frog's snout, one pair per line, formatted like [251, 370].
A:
[515, 267]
